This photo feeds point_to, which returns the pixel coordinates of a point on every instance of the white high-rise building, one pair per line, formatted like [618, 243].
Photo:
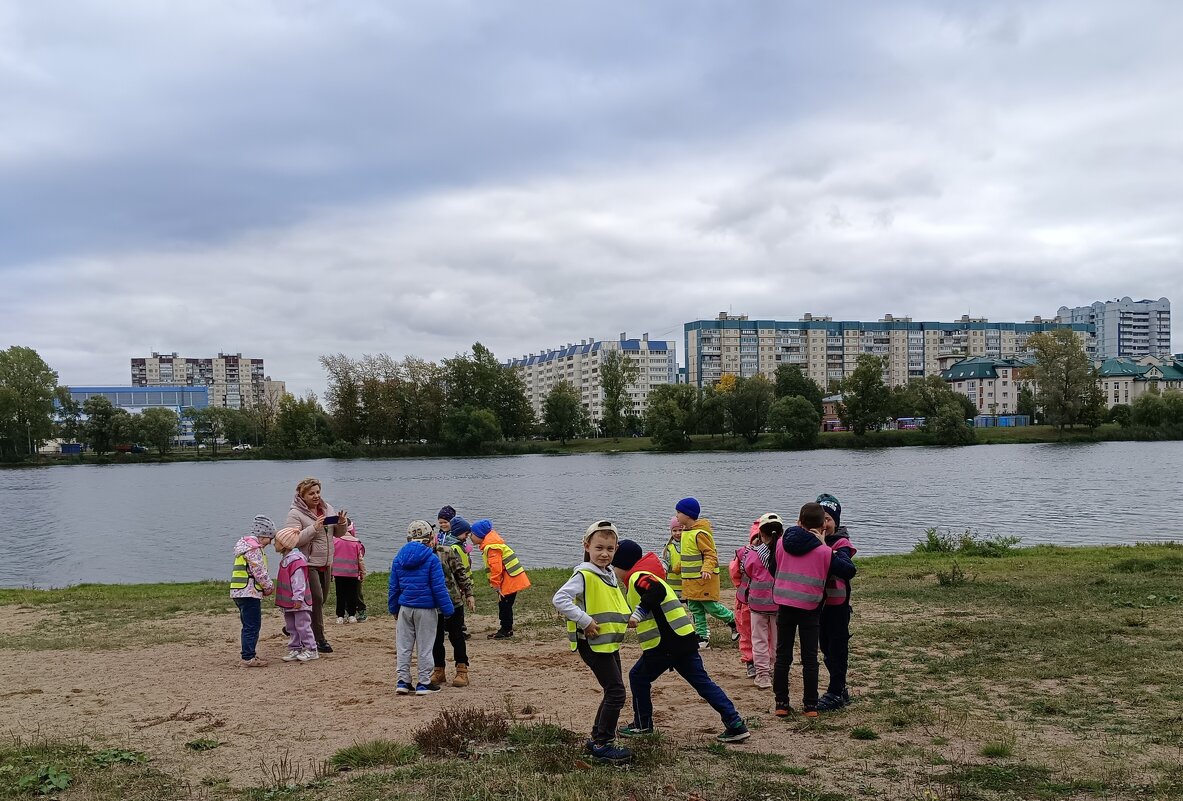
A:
[234, 382]
[1126, 328]
[657, 363]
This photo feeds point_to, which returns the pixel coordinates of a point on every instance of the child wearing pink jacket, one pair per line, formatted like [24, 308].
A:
[758, 587]
[743, 621]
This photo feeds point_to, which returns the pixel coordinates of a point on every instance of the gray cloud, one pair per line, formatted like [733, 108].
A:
[291, 179]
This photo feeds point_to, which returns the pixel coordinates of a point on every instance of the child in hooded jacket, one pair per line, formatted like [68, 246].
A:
[668, 641]
[349, 571]
[741, 581]
[762, 608]
[671, 557]
[250, 584]
[506, 574]
[597, 617]
[700, 571]
[416, 596]
[834, 624]
[293, 594]
[459, 583]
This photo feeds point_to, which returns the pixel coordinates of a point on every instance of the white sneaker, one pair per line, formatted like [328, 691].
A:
[340, 620]
[308, 656]
[292, 656]
[352, 619]
[704, 644]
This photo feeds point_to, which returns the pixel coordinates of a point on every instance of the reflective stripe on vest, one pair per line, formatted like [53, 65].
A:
[800, 581]
[760, 583]
[347, 558]
[838, 590]
[240, 574]
[673, 576]
[648, 634]
[284, 597]
[464, 557]
[509, 559]
[606, 605]
[691, 556]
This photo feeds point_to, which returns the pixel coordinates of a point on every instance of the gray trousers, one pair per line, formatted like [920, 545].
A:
[415, 632]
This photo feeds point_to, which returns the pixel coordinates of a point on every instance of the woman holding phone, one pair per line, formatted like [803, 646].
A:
[315, 518]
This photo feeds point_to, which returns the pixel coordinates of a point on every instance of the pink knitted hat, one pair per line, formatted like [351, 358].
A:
[286, 538]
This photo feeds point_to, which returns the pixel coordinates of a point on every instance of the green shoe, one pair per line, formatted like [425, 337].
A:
[632, 730]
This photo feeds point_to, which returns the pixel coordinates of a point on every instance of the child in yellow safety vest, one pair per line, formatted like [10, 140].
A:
[506, 574]
[700, 572]
[671, 557]
[668, 642]
[597, 617]
[250, 583]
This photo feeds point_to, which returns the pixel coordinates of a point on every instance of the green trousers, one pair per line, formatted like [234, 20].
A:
[700, 610]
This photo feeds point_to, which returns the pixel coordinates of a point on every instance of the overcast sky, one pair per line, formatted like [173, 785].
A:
[288, 178]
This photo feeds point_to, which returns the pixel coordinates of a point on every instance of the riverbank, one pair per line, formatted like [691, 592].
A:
[843, 440]
[1044, 672]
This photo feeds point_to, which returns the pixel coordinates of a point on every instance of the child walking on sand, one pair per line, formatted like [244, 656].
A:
[668, 642]
[250, 584]
[506, 574]
[294, 596]
[417, 596]
[597, 615]
[700, 572]
[349, 571]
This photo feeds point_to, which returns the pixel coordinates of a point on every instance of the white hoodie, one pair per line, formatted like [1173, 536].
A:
[570, 599]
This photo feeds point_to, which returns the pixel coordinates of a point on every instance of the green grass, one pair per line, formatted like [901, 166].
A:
[375, 753]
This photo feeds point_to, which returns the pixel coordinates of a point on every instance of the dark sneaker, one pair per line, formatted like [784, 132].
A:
[361, 616]
[829, 703]
[426, 689]
[501, 635]
[751, 668]
[845, 696]
[734, 631]
[634, 730]
[783, 710]
[285, 631]
[610, 753]
[324, 647]
[737, 732]
[403, 688]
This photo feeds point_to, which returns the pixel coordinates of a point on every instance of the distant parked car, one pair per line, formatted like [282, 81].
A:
[127, 448]
[241, 447]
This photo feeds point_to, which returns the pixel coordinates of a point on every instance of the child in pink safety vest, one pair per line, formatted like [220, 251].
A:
[762, 608]
[294, 596]
[741, 580]
[834, 632]
[799, 565]
[349, 571]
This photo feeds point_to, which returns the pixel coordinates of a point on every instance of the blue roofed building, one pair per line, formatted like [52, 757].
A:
[137, 399]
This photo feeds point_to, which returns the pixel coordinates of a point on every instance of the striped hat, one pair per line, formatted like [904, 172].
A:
[286, 538]
[263, 527]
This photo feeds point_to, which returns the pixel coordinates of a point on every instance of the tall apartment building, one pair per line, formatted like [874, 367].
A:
[233, 381]
[827, 350]
[1126, 328]
[657, 362]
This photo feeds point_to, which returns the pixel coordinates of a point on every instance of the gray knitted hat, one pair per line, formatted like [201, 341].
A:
[263, 527]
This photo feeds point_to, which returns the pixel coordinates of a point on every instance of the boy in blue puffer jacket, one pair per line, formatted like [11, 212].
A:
[417, 596]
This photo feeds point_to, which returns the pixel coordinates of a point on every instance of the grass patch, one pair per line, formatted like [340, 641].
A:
[863, 733]
[374, 753]
[457, 729]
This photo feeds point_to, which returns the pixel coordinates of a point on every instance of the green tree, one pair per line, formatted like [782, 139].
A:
[1093, 410]
[563, 413]
[27, 391]
[671, 415]
[1148, 410]
[343, 396]
[791, 381]
[479, 381]
[617, 372]
[1063, 374]
[1119, 414]
[106, 426]
[468, 428]
[1172, 401]
[747, 406]
[710, 416]
[209, 426]
[796, 420]
[68, 426]
[300, 423]
[158, 427]
[948, 425]
[864, 396]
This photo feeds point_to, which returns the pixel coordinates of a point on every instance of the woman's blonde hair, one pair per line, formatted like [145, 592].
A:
[306, 485]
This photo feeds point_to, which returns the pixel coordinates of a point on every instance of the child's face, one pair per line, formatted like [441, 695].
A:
[265, 541]
[767, 537]
[601, 548]
[686, 522]
[445, 525]
[830, 526]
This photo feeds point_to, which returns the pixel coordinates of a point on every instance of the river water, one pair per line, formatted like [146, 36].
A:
[178, 522]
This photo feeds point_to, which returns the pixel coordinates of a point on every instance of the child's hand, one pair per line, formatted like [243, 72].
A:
[268, 591]
[470, 602]
[592, 629]
[632, 624]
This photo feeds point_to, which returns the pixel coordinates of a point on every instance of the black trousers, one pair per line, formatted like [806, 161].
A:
[505, 610]
[606, 668]
[348, 591]
[834, 639]
[791, 622]
[453, 627]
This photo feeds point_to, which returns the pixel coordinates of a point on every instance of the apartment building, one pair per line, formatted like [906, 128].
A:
[992, 384]
[1125, 328]
[827, 350]
[656, 360]
[233, 381]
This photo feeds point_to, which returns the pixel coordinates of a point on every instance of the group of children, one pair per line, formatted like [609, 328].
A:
[792, 584]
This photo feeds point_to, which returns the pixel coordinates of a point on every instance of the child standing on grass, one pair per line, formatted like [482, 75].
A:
[506, 574]
[349, 571]
[597, 615]
[800, 566]
[741, 581]
[761, 603]
[294, 596]
[834, 630]
[417, 596]
[250, 584]
[671, 557]
[668, 641]
[700, 571]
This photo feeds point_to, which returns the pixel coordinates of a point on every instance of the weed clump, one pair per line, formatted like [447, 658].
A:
[374, 753]
[969, 543]
[453, 730]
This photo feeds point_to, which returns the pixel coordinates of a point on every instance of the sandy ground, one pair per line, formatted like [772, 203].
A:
[156, 700]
